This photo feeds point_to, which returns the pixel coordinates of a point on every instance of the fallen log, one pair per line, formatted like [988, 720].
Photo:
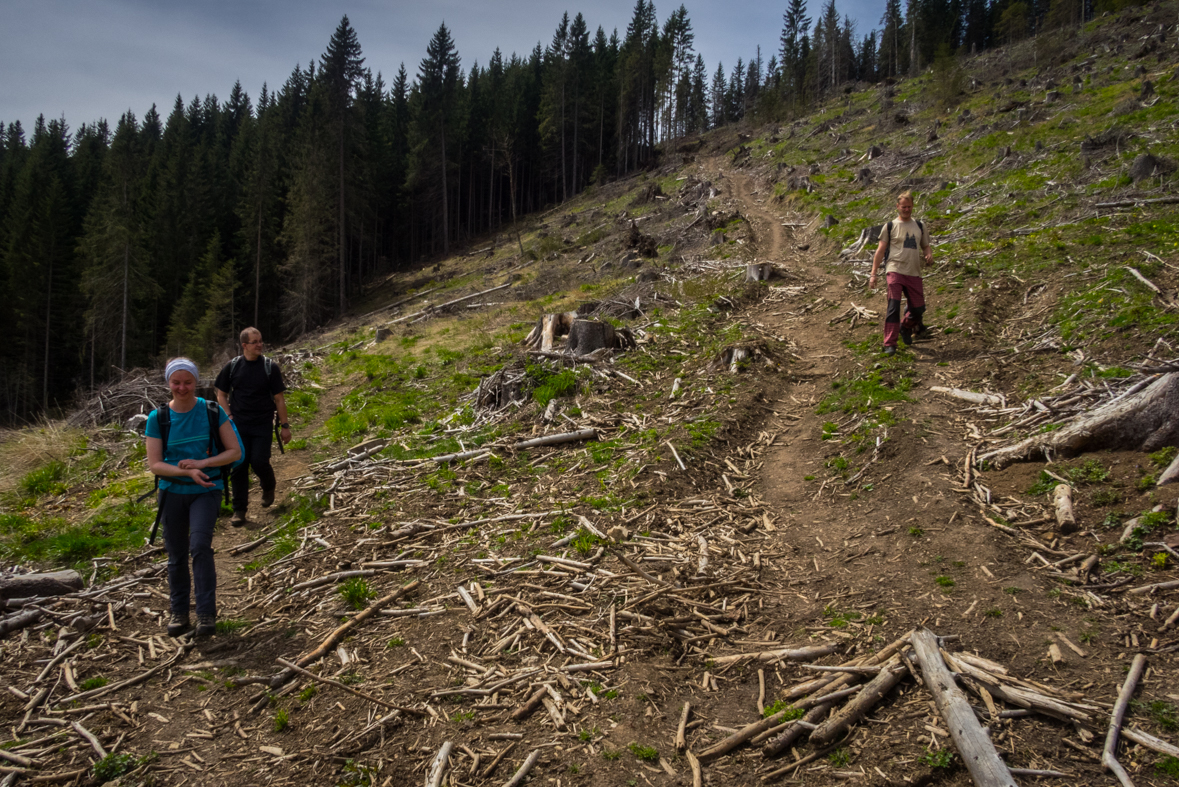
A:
[53, 583]
[983, 762]
[784, 741]
[806, 653]
[1146, 420]
[858, 707]
[556, 439]
[991, 400]
[19, 621]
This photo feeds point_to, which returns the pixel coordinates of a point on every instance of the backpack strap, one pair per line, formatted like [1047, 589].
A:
[887, 234]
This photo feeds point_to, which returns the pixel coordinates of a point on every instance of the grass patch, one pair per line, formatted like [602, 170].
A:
[282, 720]
[644, 753]
[225, 627]
[356, 592]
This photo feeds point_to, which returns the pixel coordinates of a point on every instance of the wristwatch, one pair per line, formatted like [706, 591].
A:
[285, 426]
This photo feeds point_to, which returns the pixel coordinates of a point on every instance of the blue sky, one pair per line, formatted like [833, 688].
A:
[88, 59]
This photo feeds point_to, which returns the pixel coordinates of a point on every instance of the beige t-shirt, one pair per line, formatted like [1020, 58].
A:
[906, 245]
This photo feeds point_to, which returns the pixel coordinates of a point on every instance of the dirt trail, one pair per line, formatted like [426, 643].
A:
[287, 466]
[902, 545]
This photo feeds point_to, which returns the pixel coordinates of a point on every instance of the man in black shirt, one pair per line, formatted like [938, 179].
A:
[250, 388]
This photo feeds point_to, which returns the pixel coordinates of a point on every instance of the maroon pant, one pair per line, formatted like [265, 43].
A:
[914, 292]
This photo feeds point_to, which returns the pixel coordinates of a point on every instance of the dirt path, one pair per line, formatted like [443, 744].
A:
[287, 467]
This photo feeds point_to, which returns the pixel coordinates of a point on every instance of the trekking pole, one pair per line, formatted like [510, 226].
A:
[151, 540]
[278, 435]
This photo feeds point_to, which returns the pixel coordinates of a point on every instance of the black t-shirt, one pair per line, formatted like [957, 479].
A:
[251, 394]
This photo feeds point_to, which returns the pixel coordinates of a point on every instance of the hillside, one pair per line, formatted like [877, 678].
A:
[592, 601]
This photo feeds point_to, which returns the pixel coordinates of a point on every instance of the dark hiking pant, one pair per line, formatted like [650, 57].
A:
[188, 534]
[913, 291]
[257, 447]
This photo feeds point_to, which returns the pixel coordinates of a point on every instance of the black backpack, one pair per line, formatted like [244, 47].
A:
[888, 234]
[266, 363]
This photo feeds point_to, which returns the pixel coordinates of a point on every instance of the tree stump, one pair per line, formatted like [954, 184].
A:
[829, 221]
[54, 583]
[875, 152]
[544, 334]
[588, 335]
[383, 334]
[864, 176]
[1148, 166]
[759, 271]
[1145, 421]
[136, 423]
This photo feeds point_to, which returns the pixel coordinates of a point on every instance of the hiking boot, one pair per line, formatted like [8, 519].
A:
[177, 624]
[907, 335]
[206, 625]
[238, 519]
[890, 350]
[267, 498]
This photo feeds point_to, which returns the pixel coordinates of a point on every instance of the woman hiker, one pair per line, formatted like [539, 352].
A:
[190, 493]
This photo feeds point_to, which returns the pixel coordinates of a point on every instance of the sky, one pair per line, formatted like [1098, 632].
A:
[91, 59]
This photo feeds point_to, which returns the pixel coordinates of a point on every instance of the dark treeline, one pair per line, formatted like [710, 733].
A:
[164, 236]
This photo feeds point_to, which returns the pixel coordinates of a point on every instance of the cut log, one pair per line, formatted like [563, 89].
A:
[53, 583]
[19, 621]
[1062, 498]
[968, 736]
[784, 741]
[805, 653]
[1145, 421]
[737, 357]
[556, 439]
[991, 400]
[858, 706]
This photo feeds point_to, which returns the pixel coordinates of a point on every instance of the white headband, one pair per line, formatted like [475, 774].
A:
[181, 365]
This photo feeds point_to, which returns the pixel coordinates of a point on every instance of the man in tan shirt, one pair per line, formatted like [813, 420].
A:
[904, 243]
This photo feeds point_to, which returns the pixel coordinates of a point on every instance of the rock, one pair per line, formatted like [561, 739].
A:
[136, 423]
[618, 533]
[829, 221]
[1149, 166]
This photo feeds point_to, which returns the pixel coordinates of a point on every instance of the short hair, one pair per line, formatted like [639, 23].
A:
[907, 194]
[247, 333]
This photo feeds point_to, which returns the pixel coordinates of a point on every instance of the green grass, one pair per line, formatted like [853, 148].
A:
[45, 480]
[229, 626]
[282, 720]
[93, 683]
[644, 753]
[788, 712]
[942, 758]
[118, 527]
[114, 765]
[944, 582]
[840, 757]
[356, 592]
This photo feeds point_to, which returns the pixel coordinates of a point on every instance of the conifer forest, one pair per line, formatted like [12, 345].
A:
[166, 232]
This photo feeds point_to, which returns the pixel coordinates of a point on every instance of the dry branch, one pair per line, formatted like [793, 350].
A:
[861, 704]
[334, 638]
[1109, 754]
